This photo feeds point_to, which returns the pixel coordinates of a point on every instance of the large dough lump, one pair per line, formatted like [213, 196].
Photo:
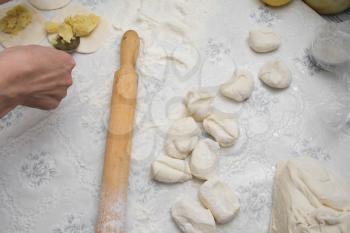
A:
[240, 87]
[275, 74]
[263, 40]
[222, 128]
[308, 197]
[191, 217]
[182, 138]
[169, 170]
[204, 158]
[219, 199]
[199, 103]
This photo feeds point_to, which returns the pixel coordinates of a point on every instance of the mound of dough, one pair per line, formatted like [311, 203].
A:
[263, 40]
[307, 197]
[204, 158]
[240, 87]
[182, 138]
[33, 33]
[199, 103]
[95, 40]
[49, 4]
[191, 217]
[223, 129]
[219, 199]
[275, 74]
[169, 170]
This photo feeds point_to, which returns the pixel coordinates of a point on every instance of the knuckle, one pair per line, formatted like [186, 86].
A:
[53, 105]
[69, 61]
[69, 81]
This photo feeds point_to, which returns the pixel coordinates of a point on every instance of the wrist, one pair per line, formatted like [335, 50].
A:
[9, 94]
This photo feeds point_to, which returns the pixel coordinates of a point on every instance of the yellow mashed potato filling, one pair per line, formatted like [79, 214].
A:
[83, 25]
[16, 20]
[66, 32]
[51, 27]
[80, 25]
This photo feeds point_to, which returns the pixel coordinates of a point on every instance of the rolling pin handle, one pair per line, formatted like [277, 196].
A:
[129, 49]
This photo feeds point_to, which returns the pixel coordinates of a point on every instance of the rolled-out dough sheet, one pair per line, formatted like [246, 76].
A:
[96, 39]
[34, 33]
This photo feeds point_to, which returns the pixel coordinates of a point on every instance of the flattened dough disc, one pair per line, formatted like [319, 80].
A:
[96, 39]
[34, 33]
[49, 4]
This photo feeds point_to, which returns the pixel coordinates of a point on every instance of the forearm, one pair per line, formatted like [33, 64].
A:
[3, 1]
[9, 98]
[7, 102]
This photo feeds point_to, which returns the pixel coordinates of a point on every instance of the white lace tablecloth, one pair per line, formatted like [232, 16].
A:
[51, 162]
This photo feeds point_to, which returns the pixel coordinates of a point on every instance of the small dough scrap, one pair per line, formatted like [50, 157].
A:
[219, 199]
[240, 87]
[223, 129]
[276, 74]
[169, 170]
[204, 158]
[33, 33]
[199, 103]
[49, 4]
[96, 38]
[264, 40]
[182, 138]
[191, 217]
[308, 197]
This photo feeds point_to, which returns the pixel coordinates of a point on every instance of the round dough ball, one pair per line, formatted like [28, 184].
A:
[34, 33]
[240, 87]
[275, 74]
[263, 40]
[49, 4]
[223, 129]
[182, 138]
[169, 170]
[329, 6]
[219, 199]
[191, 217]
[199, 103]
[204, 158]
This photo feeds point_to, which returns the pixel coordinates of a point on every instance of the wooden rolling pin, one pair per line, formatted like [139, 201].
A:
[113, 199]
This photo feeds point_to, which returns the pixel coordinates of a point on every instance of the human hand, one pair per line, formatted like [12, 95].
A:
[3, 1]
[35, 76]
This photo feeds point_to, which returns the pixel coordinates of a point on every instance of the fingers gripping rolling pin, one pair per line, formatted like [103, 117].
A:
[117, 153]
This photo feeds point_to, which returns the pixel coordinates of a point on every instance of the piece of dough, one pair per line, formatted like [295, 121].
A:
[191, 217]
[182, 138]
[204, 158]
[275, 74]
[199, 103]
[49, 4]
[169, 170]
[34, 33]
[96, 39]
[263, 40]
[223, 129]
[307, 197]
[219, 199]
[240, 87]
